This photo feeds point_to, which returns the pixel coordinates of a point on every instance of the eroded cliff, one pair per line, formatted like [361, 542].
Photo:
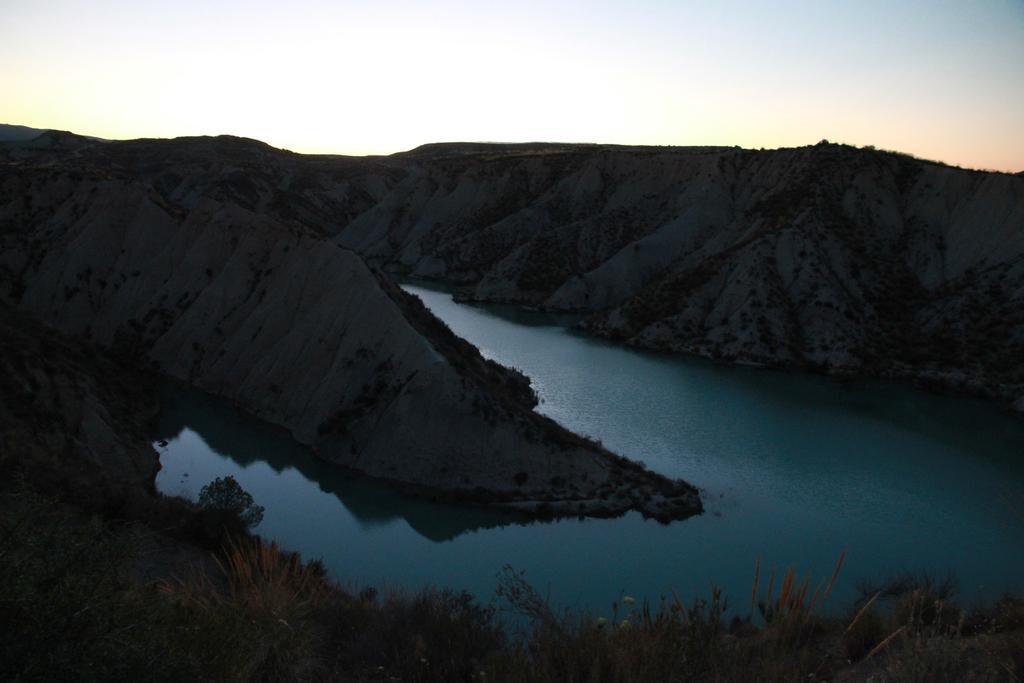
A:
[180, 253]
[852, 261]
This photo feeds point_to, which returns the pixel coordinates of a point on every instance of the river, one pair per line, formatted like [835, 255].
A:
[795, 469]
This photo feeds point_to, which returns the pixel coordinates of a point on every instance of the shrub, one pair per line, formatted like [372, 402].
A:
[225, 494]
[432, 635]
[260, 626]
[69, 609]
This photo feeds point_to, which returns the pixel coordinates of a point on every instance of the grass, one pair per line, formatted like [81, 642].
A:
[73, 607]
[261, 603]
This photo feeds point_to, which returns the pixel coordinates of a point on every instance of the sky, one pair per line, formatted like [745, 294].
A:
[939, 79]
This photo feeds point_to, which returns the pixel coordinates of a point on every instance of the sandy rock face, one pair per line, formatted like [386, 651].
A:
[829, 257]
[259, 307]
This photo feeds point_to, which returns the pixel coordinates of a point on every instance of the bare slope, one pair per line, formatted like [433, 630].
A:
[72, 420]
[182, 253]
[848, 260]
[851, 261]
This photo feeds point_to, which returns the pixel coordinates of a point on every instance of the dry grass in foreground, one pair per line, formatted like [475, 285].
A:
[71, 608]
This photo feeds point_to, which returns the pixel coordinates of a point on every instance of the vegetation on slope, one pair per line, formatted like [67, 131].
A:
[73, 607]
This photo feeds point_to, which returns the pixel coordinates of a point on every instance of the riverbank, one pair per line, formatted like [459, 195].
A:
[585, 322]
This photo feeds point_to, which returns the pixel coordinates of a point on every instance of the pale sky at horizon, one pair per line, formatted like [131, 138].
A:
[942, 80]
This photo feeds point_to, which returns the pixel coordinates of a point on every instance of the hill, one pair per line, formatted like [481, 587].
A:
[188, 257]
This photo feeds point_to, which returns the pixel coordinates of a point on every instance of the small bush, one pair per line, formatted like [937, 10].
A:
[225, 494]
[260, 622]
[921, 609]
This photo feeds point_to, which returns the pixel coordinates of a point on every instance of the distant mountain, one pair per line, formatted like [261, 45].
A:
[30, 141]
[12, 133]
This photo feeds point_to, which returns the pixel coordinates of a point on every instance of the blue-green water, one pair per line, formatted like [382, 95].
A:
[795, 469]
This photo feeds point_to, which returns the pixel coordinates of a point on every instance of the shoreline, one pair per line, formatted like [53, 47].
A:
[948, 383]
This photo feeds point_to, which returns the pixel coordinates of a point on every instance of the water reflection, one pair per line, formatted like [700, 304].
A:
[243, 441]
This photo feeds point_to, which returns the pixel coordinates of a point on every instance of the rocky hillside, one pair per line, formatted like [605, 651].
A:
[250, 272]
[207, 259]
[73, 420]
[851, 261]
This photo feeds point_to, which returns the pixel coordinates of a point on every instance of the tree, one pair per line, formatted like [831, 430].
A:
[224, 493]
